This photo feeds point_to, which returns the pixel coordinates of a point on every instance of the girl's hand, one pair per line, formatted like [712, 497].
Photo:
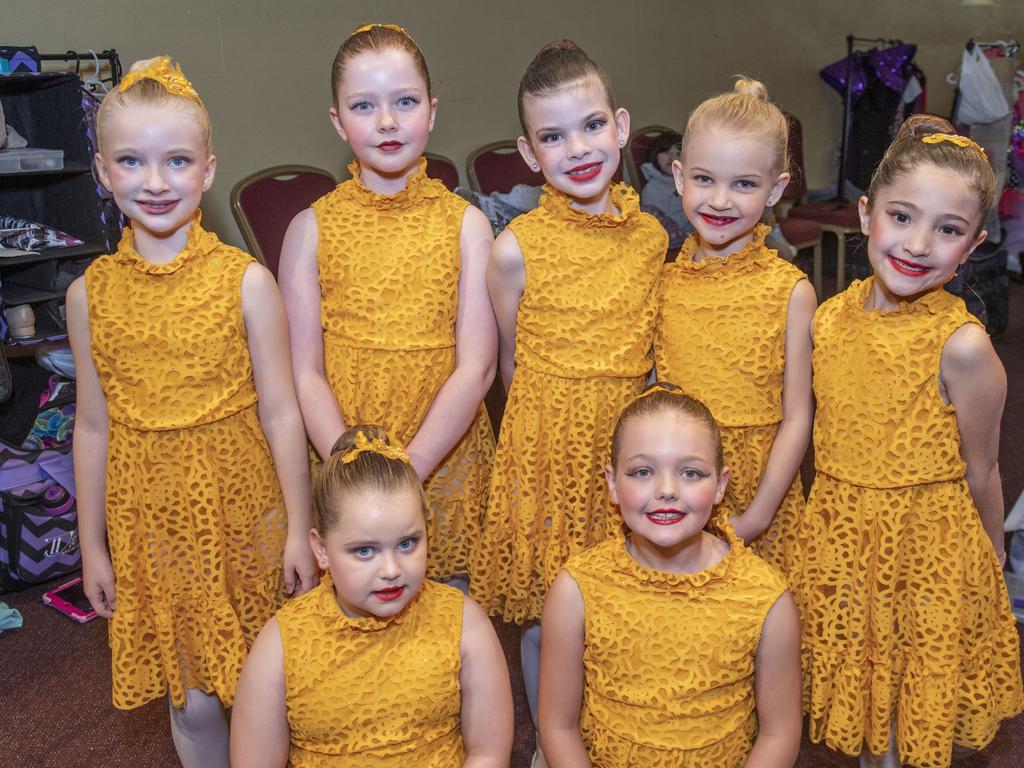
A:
[301, 572]
[98, 583]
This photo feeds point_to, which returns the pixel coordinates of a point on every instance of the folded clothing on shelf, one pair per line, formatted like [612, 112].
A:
[31, 236]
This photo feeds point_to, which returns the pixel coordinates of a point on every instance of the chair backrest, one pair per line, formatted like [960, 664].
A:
[264, 203]
[797, 187]
[441, 168]
[497, 167]
[639, 146]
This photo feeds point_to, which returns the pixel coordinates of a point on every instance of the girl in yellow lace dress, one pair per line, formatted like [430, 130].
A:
[378, 667]
[384, 283]
[182, 418]
[572, 284]
[909, 644]
[676, 645]
[734, 319]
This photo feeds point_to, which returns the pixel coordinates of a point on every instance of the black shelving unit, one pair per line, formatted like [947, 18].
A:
[47, 109]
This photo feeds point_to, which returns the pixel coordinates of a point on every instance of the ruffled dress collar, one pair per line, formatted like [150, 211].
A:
[623, 197]
[327, 606]
[418, 187]
[199, 242]
[690, 583]
[743, 259]
[935, 302]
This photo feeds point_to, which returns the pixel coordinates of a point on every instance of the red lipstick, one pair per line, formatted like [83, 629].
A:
[718, 221]
[665, 516]
[584, 172]
[389, 594]
[157, 207]
[907, 268]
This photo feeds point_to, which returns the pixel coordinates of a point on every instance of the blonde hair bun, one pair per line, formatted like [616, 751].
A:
[750, 87]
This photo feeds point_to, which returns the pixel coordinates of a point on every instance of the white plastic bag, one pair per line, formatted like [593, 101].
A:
[981, 96]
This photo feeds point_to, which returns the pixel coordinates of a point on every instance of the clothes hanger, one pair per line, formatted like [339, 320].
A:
[94, 83]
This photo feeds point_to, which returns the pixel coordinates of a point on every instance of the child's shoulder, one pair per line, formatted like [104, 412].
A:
[755, 569]
[595, 560]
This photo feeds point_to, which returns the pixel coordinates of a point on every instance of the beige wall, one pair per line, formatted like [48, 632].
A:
[262, 66]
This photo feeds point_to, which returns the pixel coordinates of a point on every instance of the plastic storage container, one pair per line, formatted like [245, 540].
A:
[31, 159]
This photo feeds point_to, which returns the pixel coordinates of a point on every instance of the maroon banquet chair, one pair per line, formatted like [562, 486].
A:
[836, 217]
[264, 204]
[497, 167]
[639, 146]
[441, 168]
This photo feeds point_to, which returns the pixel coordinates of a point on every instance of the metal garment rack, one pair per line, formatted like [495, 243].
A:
[109, 55]
[851, 41]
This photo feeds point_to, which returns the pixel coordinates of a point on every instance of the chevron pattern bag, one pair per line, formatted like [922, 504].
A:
[38, 524]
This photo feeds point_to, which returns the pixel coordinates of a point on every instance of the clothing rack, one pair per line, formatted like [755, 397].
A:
[851, 41]
[109, 55]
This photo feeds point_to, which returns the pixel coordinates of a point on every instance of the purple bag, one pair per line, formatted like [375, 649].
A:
[38, 520]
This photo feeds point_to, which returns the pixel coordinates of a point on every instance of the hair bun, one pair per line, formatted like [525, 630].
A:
[347, 441]
[142, 64]
[562, 44]
[750, 87]
[916, 126]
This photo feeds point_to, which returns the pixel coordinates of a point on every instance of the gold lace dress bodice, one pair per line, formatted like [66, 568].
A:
[195, 519]
[721, 336]
[371, 692]
[583, 340]
[669, 658]
[389, 269]
[905, 614]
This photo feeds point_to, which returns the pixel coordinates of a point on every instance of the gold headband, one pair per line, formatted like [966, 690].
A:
[171, 78]
[952, 138]
[374, 445]
[368, 27]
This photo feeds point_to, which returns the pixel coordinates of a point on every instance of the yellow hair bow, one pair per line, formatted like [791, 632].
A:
[171, 78]
[661, 386]
[960, 141]
[368, 27]
[363, 444]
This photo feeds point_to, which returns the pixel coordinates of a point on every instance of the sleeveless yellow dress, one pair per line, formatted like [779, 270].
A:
[583, 341]
[905, 613]
[669, 658]
[389, 277]
[195, 520]
[721, 336]
[371, 692]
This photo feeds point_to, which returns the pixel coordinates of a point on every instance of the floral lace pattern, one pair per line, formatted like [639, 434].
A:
[721, 336]
[195, 519]
[389, 273]
[583, 343]
[685, 695]
[382, 693]
[906, 618]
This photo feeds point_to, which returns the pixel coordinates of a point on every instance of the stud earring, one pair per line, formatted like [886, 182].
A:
[535, 167]
[622, 142]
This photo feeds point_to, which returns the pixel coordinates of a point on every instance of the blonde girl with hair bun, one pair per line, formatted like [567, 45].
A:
[734, 318]
[193, 485]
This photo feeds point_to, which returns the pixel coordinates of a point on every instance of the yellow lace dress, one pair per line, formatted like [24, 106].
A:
[195, 519]
[583, 341]
[721, 336]
[669, 658]
[905, 613]
[371, 692]
[389, 276]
